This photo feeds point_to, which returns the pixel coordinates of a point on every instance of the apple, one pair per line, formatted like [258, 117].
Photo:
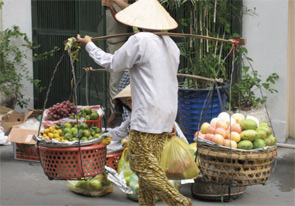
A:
[209, 137]
[238, 117]
[204, 127]
[214, 121]
[218, 139]
[221, 123]
[230, 143]
[211, 130]
[236, 128]
[221, 131]
[227, 134]
[199, 134]
[235, 136]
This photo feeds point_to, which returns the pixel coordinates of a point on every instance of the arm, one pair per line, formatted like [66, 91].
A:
[120, 132]
[109, 3]
[124, 58]
[121, 3]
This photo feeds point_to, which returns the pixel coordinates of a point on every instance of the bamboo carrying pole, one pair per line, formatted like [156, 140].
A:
[241, 42]
[183, 75]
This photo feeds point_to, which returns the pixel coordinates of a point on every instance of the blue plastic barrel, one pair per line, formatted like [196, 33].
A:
[191, 105]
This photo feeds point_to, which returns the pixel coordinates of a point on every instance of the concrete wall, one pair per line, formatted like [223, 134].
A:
[18, 12]
[266, 35]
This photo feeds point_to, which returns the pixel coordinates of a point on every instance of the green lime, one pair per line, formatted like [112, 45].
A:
[98, 130]
[74, 129]
[94, 115]
[92, 132]
[67, 125]
[75, 133]
[84, 139]
[68, 136]
[84, 125]
[91, 137]
[86, 133]
[87, 117]
[67, 130]
[88, 110]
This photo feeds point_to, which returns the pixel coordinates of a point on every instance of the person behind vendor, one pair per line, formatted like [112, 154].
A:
[122, 131]
[152, 62]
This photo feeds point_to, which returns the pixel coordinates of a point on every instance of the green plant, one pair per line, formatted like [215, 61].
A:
[14, 49]
[208, 18]
[244, 91]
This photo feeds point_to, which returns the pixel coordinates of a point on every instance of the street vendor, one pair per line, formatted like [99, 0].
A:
[152, 62]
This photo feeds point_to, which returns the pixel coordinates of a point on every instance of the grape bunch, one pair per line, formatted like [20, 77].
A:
[61, 110]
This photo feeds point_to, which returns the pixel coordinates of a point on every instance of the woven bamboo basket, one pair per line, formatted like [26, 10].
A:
[215, 192]
[222, 165]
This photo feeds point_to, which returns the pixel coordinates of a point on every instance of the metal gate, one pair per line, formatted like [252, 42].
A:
[54, 21]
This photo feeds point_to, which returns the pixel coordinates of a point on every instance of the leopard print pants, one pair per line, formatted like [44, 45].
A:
[145, 152]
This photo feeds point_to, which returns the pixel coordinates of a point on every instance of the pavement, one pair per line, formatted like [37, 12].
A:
[24, 183]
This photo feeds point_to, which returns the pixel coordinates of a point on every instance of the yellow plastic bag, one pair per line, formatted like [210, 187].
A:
[123, 165]
[178, 160]
[96, 187]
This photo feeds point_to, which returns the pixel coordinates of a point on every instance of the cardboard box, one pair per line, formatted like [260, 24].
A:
[11, 120]
[24, 146]
[25, 152]
[6, 110]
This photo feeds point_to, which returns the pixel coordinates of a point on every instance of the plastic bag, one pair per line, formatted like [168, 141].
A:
[96, 187]
[123, 165]
[133, 184]
[178, 160]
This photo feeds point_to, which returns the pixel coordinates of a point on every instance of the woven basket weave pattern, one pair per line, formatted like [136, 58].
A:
[235, 167]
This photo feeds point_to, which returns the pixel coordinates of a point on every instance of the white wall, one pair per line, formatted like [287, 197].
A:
[18, 12]
[266, 35]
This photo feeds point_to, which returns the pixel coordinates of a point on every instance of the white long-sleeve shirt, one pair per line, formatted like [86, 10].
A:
[152, 62]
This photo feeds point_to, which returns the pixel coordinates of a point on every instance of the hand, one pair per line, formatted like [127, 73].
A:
[173, 133]
[125, 142]
[84, 40]
[107, 3]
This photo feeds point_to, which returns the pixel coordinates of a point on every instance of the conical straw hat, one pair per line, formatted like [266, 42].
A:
[126, 92]
[147, 14]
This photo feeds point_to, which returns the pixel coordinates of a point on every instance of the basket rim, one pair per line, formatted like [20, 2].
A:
[67, 149]
[114, 154]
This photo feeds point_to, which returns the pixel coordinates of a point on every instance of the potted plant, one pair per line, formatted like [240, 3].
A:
[14, 49]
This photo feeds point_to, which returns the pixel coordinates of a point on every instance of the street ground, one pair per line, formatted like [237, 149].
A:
[24, 183]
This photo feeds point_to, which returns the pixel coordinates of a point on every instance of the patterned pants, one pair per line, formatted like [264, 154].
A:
[145, 151]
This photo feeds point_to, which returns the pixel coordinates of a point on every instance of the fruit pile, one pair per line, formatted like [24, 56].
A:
[237, 132]
[60, 110]
[68, 132]
[86, 113]
[95, 187]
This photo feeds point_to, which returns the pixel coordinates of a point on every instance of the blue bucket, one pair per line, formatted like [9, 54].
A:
[191, 105]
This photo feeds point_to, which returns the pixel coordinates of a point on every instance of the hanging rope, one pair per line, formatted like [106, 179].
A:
[43, 109]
